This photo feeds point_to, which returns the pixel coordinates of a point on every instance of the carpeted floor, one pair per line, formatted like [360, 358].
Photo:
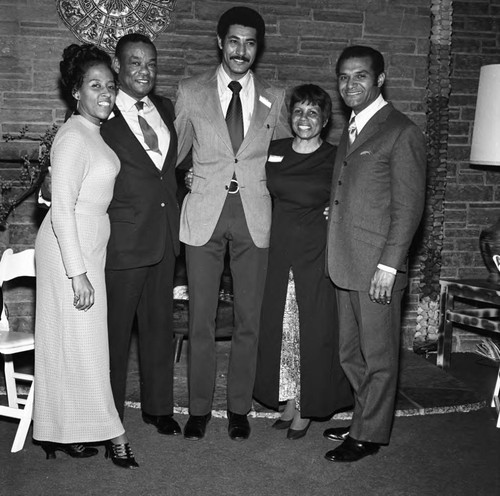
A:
[423, 388]
[444, 443]
[450, 454]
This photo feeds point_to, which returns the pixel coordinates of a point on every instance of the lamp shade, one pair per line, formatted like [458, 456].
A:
[485, 148]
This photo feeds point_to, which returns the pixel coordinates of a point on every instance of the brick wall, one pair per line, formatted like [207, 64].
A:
[472, 194]
[304, 38]
[472, 199]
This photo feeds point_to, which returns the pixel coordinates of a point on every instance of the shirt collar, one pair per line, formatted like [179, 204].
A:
[366, 114]
[223, 80]
[126, 102]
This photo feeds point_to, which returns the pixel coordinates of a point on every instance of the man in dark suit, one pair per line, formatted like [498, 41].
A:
[144, 239]
[228, 116]
[377, 200]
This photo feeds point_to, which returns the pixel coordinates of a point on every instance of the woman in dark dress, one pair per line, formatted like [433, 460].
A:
[298, 343]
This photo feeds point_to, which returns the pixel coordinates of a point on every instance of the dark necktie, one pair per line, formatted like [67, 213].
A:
[150, 137]
[234, 116]
[352, 130]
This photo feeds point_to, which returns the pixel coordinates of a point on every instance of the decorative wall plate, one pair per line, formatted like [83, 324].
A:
[103, 22]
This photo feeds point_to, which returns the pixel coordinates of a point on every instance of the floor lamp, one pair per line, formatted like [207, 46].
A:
[485, 151]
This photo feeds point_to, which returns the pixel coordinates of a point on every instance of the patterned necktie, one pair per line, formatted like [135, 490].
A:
[234, 116]
[353, 131]
[150, 137]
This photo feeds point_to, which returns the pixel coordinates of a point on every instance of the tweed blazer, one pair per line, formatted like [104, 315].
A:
[200, 124]
[377, 200]
[144, 212]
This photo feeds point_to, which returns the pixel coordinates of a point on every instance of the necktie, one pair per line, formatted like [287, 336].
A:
[234, 116]
[352, 130]
[150, 137]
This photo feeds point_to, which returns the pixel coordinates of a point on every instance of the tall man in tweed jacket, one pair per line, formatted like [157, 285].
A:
[377, 199]
[228, 206]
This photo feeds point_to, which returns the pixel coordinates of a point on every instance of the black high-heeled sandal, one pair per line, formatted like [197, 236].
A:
[121, 455]
[73, 450]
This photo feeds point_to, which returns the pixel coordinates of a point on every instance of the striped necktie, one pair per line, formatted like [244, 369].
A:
[352, 130]
[150, 137]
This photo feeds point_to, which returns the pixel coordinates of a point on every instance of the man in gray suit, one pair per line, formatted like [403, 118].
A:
[377, 200]
[228, 116]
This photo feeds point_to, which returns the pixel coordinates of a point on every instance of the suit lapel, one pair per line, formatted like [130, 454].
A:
[209, 101]
[120, 128]
[125, 135]
[371, 128]
[262, 106]
[127, 138]
[339, 159]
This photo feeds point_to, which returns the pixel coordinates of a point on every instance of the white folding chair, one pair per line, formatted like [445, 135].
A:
[13, 265]
[495, 401]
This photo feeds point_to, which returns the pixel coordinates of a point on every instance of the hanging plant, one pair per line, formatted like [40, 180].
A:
[437, 104]
[32, 173]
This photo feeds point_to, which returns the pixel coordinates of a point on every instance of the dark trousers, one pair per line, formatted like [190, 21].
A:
[147, 293]
[204, 268]
[369, 354]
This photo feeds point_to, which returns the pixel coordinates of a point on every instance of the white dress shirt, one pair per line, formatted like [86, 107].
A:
[126, 104]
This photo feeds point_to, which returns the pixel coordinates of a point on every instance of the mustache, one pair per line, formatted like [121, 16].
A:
[239, 57]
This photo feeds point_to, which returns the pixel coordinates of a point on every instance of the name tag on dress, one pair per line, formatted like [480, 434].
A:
[275, 158]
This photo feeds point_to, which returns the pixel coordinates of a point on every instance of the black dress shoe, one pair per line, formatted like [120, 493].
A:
[196, 426]
[282, 424]
[297, 433]
[337, 433]
[352, 450]
[166, 424]
[121, 455]
[73, 450]
[239, 427]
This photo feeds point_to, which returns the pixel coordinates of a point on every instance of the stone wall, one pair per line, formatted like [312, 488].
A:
[304, 39]
[472, 194]
[472, 199]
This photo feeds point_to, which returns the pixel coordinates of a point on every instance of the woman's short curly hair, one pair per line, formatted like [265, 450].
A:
[314, 95]
[76, 61]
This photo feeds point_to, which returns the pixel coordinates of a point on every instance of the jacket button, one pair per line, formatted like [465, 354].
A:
[340, 183]
[336, 202]
[344, 164]
[235, 160]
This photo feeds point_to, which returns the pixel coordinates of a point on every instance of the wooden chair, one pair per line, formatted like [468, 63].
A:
[12, 266]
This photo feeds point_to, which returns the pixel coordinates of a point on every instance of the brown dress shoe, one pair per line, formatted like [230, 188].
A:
[352, 450]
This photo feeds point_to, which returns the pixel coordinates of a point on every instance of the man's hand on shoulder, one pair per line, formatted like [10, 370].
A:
[45, 194]
[188, 179]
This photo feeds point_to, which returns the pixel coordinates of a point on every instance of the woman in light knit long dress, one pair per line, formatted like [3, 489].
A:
[73, 400]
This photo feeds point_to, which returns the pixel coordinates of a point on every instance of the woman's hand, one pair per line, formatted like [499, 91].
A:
[84, 292]
[188, 178]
